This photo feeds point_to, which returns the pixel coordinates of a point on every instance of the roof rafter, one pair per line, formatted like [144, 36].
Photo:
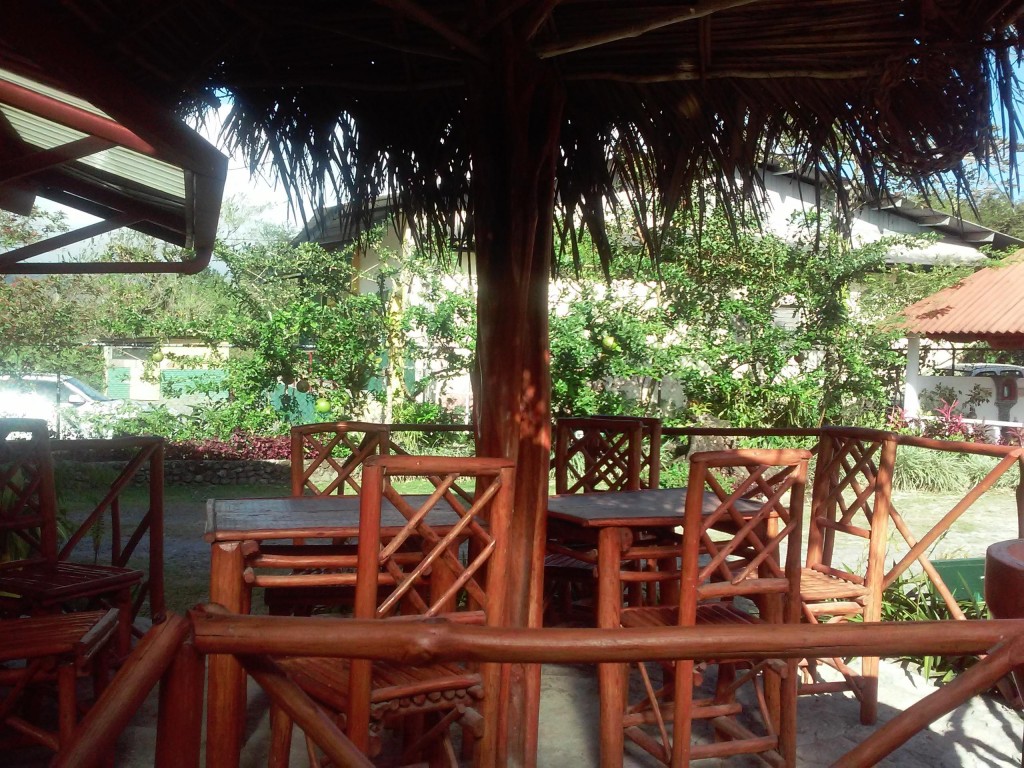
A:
[692, 13]
[33, 162]
[419, 14]
[734, 74]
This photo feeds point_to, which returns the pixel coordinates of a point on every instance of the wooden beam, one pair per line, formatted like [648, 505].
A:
[683, 15]
[10, 258]
[427, 19]
[689, 73]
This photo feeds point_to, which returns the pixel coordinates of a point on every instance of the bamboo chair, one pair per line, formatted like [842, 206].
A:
[51, 651]
[458, 576]
[33, 580]
[595, 455]
[340, 446]
[732, 551]
[850, 499]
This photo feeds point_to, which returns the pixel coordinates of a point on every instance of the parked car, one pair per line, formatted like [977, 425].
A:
[64, 402]
[990, 370]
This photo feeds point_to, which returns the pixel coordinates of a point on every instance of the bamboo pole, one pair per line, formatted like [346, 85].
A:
[303, 711]
[421, 643]
[97, 734]
[975, 680]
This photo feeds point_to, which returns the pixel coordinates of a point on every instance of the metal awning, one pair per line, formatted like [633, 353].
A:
[163, 180]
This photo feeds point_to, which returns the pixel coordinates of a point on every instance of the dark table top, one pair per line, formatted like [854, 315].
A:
[298, 517]
[651, 507]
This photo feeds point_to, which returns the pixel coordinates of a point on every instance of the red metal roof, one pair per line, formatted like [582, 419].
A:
[987, 306]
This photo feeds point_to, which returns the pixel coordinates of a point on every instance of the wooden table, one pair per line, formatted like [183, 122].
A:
[618, 518]
[235, 529]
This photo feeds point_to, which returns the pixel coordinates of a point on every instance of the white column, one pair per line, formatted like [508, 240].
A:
[911, 402]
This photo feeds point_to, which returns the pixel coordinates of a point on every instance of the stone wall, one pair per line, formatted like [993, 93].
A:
[182, 472]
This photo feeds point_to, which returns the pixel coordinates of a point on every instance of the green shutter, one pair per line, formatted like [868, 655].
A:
[119, 382]
[181, 383]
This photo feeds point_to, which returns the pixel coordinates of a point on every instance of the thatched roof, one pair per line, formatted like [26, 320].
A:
[366, 98]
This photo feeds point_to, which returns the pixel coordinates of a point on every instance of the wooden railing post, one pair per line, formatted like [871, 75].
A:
[157, 599]
[180, 714]
[1020, 498]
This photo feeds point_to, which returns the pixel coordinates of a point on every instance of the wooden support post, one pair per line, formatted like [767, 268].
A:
[611, 677]
[514, 103]
[157, 602]
[1020, 499]
[225, 690]
[180, 714]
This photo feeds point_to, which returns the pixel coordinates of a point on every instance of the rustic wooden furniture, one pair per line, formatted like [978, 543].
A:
[727, 554]
[34, 580]
[246, 538]
[46, 650]
[341, 446]
[599, 454]
[458, 575]
[125, 532]
[595, 454]
[621, 525]
[843, 505]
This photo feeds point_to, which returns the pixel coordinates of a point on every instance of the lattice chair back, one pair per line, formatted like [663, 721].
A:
[851, 504]
[457, 571]
[650, 447]
[459, 542]
[747, 507]
[744, 510]
[340, 447]
[28, 501]
[599, 454]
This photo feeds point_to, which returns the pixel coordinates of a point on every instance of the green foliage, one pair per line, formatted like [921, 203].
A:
[18, 230]
[707, 317]
[913, 598]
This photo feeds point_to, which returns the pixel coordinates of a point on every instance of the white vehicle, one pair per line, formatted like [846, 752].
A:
[62, 401]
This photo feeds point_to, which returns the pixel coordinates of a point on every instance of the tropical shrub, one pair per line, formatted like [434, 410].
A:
[913, 598]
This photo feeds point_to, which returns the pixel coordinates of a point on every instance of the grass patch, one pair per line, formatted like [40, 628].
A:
[922, 469]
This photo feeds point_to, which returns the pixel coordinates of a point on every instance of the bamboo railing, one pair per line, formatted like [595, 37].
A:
[166, 654]
[107, 518]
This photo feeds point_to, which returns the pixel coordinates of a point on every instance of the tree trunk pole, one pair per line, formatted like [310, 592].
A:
[516, 105]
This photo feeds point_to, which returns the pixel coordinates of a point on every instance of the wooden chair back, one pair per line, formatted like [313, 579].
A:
[457, 569]
[28, 499]
[342, 446]
[745, 509]
[851, 501]
[606, 454]
[454, 555]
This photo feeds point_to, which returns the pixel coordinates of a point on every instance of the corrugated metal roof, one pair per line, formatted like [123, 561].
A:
[132, 166]
[987, 306]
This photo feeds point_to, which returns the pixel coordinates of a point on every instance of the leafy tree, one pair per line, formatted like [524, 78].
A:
[41, 319]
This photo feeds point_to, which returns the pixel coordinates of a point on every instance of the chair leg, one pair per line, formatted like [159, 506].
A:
[280, 738]
[869, 690]
[67, 701]
[682, 725]
[124, 623]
